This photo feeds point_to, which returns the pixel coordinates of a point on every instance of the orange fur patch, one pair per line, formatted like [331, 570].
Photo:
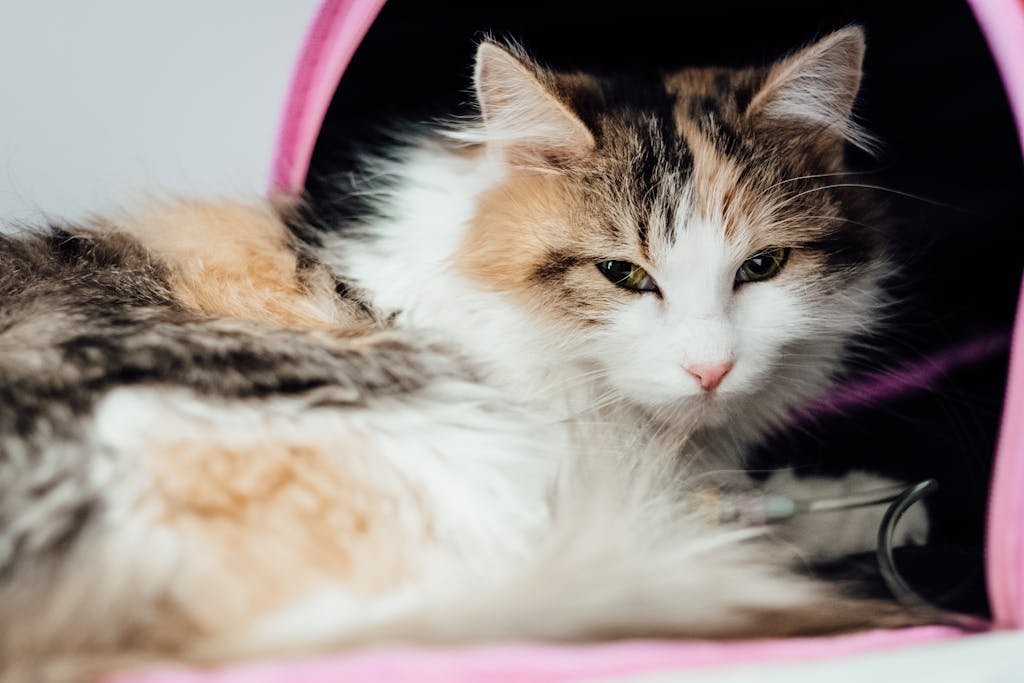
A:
[519, 225]
[513, 229]
[266, 524]
[237, 260]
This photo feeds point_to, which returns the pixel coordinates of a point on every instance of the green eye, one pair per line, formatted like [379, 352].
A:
[627, 275]
[763, 265]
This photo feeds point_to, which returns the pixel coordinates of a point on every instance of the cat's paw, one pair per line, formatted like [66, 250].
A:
[831, 535]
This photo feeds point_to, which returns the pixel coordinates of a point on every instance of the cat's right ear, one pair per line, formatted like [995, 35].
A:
[812, 92]
[523, 118]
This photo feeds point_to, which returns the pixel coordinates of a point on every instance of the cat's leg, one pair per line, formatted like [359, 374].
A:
[830, 535]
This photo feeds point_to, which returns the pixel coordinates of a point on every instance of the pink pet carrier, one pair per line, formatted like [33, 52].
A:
[275, 72]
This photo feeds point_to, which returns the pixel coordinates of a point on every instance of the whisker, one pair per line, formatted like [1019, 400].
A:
[816, 175]
[875, 187]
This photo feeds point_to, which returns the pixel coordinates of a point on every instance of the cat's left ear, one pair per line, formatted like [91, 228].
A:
[523, 117]
[813, 91]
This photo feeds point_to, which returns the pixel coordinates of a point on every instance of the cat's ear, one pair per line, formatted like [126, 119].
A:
[814, 89]
[522, 117]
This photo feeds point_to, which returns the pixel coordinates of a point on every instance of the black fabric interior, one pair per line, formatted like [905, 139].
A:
[931, 93]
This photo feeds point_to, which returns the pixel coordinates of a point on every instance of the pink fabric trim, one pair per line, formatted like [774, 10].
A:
[331, 40]
[1003, 24]
[1005, 534]
[544, 663]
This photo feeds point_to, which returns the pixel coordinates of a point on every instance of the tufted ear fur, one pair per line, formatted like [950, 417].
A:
[812, 91]
[523, 117]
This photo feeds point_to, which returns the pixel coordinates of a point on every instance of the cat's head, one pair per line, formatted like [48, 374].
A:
[684, 232]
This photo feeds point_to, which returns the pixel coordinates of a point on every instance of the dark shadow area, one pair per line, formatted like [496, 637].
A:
[931, 93]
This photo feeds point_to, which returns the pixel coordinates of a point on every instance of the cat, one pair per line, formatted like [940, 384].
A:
[490, 408]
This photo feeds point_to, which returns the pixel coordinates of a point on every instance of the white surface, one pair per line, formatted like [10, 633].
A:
[989, 658]
[106, 101]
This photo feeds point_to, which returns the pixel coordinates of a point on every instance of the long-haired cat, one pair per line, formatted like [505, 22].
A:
[489, 409]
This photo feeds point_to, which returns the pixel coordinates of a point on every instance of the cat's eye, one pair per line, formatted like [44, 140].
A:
[628, 276]
[763, 265]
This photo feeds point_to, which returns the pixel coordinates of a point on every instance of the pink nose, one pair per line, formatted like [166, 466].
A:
[710, 375]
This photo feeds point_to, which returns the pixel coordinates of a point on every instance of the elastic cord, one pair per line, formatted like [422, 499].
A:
[757, 510]
[899, 588]
[886, 535]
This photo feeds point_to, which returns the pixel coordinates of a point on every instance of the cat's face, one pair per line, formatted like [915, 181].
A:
[681, 233]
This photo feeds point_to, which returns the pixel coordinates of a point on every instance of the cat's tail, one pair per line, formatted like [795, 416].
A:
[629, 556]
